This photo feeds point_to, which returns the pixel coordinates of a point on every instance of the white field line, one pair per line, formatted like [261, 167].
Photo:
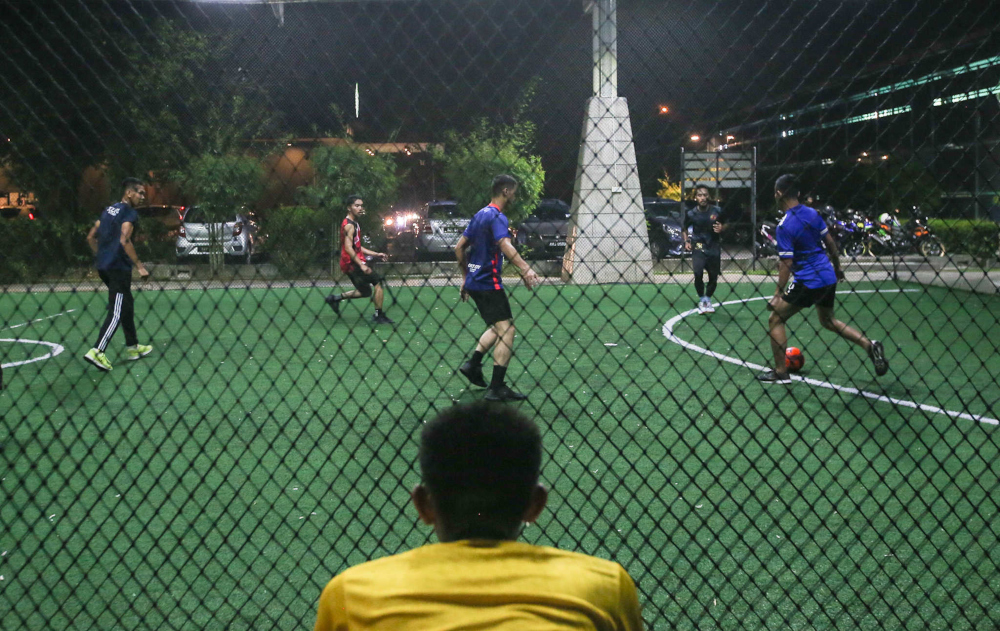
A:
[17, 326]
[56, 348]
[668, 332]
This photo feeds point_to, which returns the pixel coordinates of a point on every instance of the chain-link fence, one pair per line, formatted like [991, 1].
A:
[268, 441]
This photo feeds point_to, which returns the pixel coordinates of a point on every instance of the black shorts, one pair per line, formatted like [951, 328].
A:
[493, 305]
[802, 296]
[364, 282]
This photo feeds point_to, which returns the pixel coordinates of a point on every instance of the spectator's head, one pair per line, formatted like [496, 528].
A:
[479, 466]
[504, 186]
[787, 188]
[133, 191]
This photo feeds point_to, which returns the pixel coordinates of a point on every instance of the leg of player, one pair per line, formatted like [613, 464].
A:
[779, 342]
[713, 265]
[377, 295]
[874, 349]
[334, 299]
[473, 368]
[698, 264]
[502, 352]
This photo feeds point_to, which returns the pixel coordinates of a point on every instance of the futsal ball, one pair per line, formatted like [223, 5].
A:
[794, 359]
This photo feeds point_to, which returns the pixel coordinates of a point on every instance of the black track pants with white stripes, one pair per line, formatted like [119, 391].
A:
[120, 311]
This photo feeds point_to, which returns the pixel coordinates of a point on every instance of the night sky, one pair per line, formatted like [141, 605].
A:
[426, 67]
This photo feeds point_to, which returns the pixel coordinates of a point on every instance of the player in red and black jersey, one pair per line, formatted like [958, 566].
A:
[354, 262]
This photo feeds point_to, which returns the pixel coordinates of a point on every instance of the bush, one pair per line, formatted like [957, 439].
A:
[296, 238]
[35, 249]
[966, 236]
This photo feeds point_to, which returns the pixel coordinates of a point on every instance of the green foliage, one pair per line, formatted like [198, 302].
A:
[181, 101]
[222, 184]
[296, 238]
[348, 169]
[472, 160]
[978, 238]
[35, 249]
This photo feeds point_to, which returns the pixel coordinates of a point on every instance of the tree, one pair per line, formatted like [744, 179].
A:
[472, 160]
[668, 189]
[222, 184]
[350, 169]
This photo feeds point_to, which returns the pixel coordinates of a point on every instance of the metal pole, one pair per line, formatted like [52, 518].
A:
[975, 192]
[753, 209]
[684, 213]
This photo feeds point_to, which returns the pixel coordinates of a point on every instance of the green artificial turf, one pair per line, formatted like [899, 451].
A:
[267, 444]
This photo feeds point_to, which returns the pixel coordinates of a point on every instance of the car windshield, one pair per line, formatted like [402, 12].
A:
[155, 211]
[197, 215]
[667, 211]
[551, 213]
[443, 211]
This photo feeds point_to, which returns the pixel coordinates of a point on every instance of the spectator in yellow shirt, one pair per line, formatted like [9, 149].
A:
[480, 466]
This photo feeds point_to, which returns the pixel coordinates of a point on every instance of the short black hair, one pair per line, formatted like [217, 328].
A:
[480, 462]
[350, 199]
[704, 186]
[788, 185]
[131, 182]
[501, 182]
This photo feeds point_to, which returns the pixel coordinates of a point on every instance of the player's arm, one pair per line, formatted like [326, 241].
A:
[786, 252]
[831, 251]
[374, 254]
[530, 277]
[349, 248]
[92, 236]
[460, 249]
[126, 241]
[684, 231]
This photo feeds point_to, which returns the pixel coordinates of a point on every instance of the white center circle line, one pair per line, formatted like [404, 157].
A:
[668, 332]
[55, 350]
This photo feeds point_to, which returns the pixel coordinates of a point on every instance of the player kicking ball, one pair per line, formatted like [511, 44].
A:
[801, 236]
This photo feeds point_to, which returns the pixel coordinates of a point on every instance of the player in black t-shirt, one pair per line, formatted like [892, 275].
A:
[706, 224]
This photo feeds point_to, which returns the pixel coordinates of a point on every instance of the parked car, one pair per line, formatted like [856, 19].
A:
[543, 233]
[438, 230]
[664, 220]
[239, 235]
[18, 212]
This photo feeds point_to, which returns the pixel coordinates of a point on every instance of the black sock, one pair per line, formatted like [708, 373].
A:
[477, 358]
[378, 312]
[338, 297]
[499, 373]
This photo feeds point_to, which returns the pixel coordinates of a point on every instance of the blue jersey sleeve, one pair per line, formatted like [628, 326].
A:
[820, 226]
[471, 228]
[501, 229]
[786, 247]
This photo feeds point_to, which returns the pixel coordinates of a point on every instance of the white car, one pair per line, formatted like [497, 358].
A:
[238, 235]
[438, 232]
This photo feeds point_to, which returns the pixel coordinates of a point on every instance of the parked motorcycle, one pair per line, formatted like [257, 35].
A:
[848, 231]
[767, 240]
[888, 236]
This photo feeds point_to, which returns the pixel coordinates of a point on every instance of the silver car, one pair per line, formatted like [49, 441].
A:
[238, 235]
[438, 232]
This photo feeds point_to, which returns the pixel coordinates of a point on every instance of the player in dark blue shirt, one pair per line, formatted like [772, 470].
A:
[480, 253]
[114, 255]
[705, 222]
[806, 247]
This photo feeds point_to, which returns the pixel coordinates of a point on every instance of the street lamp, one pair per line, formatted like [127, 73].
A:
[695, 137]
[664, 109]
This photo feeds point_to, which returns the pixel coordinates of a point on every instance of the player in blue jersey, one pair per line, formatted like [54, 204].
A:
[111, 240]
[802, 235]
[480, 253]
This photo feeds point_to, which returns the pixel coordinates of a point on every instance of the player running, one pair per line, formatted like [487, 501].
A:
[354, 263]
[487, 239]
[706, 224]
[801, 235]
